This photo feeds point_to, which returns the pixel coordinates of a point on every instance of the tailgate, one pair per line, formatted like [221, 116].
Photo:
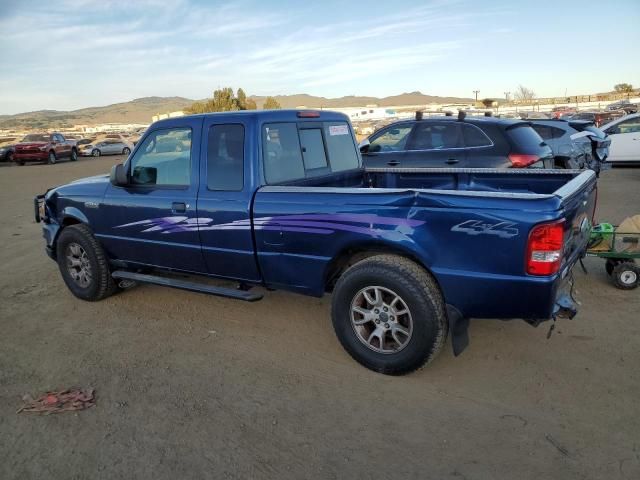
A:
[578, 203]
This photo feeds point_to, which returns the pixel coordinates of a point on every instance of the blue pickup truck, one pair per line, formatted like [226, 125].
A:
[279, 199]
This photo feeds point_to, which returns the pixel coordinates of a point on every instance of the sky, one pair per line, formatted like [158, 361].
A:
[69, 54]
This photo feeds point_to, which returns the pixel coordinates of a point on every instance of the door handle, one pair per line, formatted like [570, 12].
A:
[178, 207]
[451, 161]
[393, 162]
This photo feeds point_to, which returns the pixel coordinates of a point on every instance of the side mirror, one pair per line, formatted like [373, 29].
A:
[364, 146]
[118, 175]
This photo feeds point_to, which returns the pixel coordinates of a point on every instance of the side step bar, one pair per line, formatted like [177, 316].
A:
[185, 285]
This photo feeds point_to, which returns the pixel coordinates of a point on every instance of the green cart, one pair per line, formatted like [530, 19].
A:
[620, 249]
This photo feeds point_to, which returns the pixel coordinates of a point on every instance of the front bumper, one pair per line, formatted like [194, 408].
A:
[18, 156]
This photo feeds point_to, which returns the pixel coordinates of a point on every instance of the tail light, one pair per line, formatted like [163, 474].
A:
[522, 160]
[544, 248]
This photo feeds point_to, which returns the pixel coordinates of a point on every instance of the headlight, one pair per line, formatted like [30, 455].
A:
[42, 149]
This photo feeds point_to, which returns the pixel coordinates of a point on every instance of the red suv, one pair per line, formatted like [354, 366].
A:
[44, 147]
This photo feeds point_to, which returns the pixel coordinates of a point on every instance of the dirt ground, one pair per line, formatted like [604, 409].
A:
[192, 386]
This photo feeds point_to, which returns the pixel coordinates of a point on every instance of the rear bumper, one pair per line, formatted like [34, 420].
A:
[534, 299]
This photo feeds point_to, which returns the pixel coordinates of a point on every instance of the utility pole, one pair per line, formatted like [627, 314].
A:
[506, 96]
[476, 92]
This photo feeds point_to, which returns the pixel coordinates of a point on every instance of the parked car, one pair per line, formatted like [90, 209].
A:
[557, 112]
[106, 147]
[570, 149]
[45, 147]
[475, 142]
[625, 105]
[7, 149]
[598, 117]
[529, 115]
[625, 139]
[278, 199]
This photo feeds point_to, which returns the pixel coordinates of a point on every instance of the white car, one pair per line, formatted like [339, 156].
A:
[625, 139]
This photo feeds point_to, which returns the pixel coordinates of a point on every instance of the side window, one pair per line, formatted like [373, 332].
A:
[281, 153]
[312, 149]
[393, 139]
[164, 158]
[225, 157]
[474, 137]
[546, 133]
[630, 126]
[557, 132]
[428, 136]
[343, 153]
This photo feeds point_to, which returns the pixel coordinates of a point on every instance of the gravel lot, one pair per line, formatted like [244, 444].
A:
[191, 386]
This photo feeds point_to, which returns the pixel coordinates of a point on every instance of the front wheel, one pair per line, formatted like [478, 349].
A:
[83, 264]
[389, 315]
[95, 152]
[74, 155]
[51, 160]
[126, 151]
[10, 157]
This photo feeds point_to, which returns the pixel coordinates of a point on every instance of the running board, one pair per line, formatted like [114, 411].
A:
[185, 285]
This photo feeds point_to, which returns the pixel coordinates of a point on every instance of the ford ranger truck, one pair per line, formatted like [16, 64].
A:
[44, 147]
[280, 200]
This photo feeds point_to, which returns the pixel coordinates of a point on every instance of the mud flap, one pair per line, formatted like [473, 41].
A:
[458, 329]
[565, 305]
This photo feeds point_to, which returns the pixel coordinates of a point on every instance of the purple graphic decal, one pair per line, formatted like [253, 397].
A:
[324, 224]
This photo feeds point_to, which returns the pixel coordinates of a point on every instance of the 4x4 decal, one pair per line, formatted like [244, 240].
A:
[478, 227]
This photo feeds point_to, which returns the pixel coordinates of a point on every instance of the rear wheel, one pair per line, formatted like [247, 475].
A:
[83, 264]
[95, 152]
[10, 157]
[51, 160]
[625, 275]
[126, 151]
[389, 315]
[74, 155]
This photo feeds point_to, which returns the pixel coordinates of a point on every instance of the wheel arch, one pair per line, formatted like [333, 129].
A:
[69, 216]
[351, 254]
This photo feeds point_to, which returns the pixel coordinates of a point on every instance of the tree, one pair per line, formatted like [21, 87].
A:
[223, 100]
[623, 88]
[271, 103]
[487, 102]
[524, 94]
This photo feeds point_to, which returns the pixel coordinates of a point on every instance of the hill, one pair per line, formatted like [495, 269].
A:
[413, 98]
[141, 110]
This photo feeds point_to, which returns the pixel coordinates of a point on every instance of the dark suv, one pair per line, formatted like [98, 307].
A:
[462, 142]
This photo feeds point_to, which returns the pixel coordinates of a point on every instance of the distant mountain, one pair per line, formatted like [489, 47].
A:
[413, 98]
[141, 110]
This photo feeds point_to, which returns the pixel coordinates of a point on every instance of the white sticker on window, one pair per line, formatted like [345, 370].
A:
[338, 130]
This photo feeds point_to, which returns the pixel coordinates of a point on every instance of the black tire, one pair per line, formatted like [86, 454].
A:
[9, 157]
[74, 155]
[625, 275]
[421, 295]
[126, 151]
[52, 159]
[610, 265]
[101, 284]
[95, 152]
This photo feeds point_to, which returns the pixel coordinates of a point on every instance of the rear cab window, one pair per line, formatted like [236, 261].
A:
[298, 150]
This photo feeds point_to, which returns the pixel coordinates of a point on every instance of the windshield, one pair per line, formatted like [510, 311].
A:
[36, 137]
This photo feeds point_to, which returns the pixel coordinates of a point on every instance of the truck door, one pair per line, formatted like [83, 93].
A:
[153, 220]
[224, 198]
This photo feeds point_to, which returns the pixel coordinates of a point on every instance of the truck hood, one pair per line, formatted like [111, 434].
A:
[90, 186]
